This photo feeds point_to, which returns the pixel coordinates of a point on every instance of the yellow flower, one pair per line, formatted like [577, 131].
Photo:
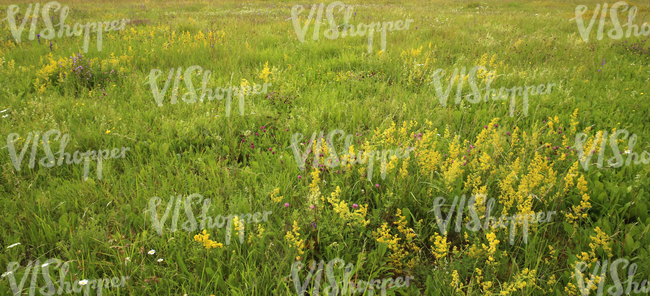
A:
[108, 131]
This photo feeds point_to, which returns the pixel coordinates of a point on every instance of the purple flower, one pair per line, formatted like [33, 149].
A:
[299, 177]
[286, 205]
[313, 224]
[376, 185]
[355, 206]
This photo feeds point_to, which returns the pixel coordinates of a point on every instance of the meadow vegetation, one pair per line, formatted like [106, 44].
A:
[244, 163]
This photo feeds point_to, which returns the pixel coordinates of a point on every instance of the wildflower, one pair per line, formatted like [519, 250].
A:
[299, 177]
[377, 185]
[151, 252]
[83, 282]
[355, 206]
[286, 205]
[160, 260]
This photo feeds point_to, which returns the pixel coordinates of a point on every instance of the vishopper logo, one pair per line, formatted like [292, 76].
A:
[617, 161]
[617, 32]
[64, 286]
[49, 32]
[48, 161]
[206, 222]
[354, 287]
[476, 95]
[490, 222]
[632, 286]
[347, 158]
[191, 96]
[333, 32]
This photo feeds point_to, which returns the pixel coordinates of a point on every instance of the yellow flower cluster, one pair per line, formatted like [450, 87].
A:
[205, 239]
[398, 251]
[274, 196]
[455, 282]
[580, 212]
[493, 242]
[260, 233]
[235, 222]
[342, 209]
[265, 73]
[294, 239]
[522, 280]
[314, 190]
[601, 239]
[440, 246]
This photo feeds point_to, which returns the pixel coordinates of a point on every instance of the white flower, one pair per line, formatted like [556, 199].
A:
[45, 264]
[9, 247]
[5, 110]
[627, 151]
[152, 252]
[83, 282]
[128, 259]
[6, 273]
[5, 116]
[160, 260]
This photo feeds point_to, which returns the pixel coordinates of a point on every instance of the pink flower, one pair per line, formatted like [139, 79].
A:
[256, 134]
[299, 177]
[286, 205]
[270, 149]
[312, 207]
[355, 206]
[262, 127]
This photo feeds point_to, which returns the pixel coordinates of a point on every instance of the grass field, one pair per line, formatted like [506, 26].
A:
[245, 164]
